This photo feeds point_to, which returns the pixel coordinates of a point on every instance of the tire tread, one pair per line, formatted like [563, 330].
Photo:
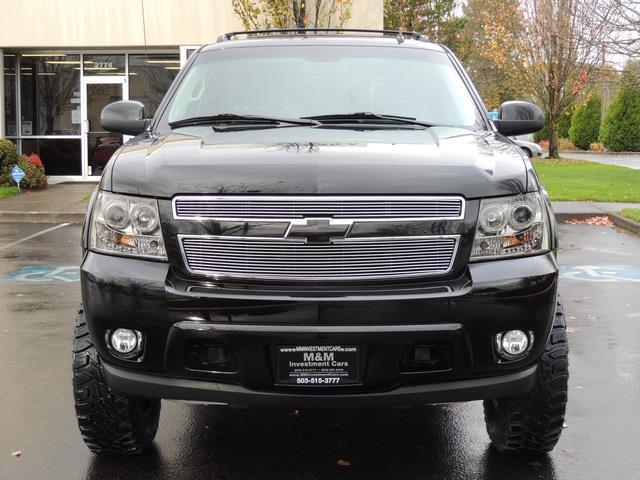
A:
[109, 422]
[533, 422]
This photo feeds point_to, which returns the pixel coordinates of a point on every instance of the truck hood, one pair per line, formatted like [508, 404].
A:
[302, 160]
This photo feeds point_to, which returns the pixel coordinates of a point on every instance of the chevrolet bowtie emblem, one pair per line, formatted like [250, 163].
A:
[319, 230]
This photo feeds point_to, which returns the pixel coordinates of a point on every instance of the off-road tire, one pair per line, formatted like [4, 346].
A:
[109, 422]
[532, 423]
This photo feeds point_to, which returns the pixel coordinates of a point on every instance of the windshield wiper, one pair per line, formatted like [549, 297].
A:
[366, 118]
[234, 119]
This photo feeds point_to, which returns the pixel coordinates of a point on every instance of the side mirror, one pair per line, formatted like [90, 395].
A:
[519, 118]
[125, 117]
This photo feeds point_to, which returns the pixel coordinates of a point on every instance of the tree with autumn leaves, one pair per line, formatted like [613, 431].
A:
[437, 19]
[283, 14]
[487, 52]
[559, 50]
[549, 51]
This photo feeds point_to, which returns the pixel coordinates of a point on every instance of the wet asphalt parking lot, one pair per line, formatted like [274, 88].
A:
[39, 293]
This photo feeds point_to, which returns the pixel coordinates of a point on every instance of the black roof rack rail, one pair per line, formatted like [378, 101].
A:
[398, 34]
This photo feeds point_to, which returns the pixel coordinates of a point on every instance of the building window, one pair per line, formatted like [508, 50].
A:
[150, 77]
[60, 156]
[10, 111]
[50, 94]
[104, 65]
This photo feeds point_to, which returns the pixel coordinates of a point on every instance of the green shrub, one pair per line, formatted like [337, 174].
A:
[34, 178]
[542, 134]
[563, 128]
[585, 123]
[8, 155]
[620, 128]
[564, 124]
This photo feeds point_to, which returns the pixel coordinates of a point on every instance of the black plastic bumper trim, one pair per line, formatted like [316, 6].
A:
[157, 386]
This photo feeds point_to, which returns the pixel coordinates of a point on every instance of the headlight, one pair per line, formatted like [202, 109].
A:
[124, 225]
[510, 227]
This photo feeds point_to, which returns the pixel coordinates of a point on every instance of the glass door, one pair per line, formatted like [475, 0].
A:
[98, 145]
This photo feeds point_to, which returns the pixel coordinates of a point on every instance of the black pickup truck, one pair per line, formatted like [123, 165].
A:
[320, 219]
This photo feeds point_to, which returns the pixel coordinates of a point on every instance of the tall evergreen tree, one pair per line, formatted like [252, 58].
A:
[585, 123]
[620, 129]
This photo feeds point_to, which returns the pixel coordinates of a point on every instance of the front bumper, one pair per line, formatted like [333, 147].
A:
[464, 315]
[135, 383]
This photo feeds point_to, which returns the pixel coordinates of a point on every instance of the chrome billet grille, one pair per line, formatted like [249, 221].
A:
[256, 207]
[370, 258]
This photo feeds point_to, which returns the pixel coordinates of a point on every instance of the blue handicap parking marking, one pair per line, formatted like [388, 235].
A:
[600, 273]
[43, 274]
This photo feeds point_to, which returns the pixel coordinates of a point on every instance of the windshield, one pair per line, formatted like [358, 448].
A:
[314, 80]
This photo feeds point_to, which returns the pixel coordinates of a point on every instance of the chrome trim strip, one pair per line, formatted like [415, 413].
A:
[318, 199]
[322, 296]
[222, 276]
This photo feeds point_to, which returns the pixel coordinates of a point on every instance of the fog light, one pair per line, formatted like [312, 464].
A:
[125, 341]
[513, 344]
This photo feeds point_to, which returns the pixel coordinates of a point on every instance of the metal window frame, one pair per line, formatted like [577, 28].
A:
[183, 53]
[16, 98]
[81, 52]
[121, 80]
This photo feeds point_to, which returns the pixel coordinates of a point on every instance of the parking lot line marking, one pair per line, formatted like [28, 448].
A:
[37, 234]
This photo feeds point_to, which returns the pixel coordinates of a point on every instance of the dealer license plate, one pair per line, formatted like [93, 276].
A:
[318, 365]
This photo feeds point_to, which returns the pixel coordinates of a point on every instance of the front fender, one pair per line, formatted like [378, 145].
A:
[84, 238]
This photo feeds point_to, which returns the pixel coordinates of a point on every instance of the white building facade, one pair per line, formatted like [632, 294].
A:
[64, 60]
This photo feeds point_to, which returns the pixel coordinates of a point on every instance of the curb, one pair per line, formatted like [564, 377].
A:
[42, 217]
[625, 223]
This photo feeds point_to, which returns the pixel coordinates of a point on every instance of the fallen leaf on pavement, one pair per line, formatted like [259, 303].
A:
[344, 463]
[17, 453]
[564, 425]
[602, 221]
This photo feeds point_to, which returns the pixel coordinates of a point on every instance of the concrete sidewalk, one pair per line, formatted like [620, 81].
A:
[625, 159]
[571, 209]
[62, 202]
[67, 202]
